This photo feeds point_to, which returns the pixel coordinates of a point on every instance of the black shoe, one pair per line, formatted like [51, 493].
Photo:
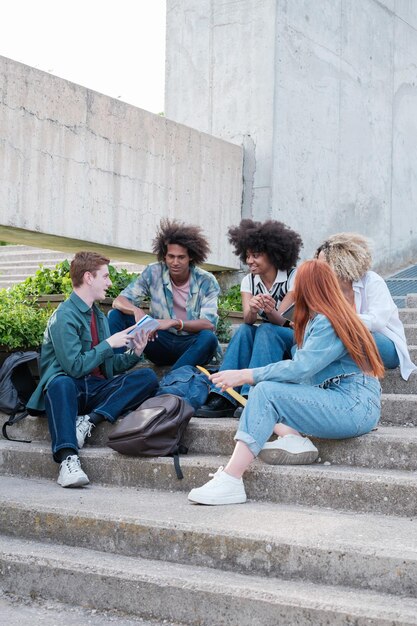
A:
[238, 412]
[217, 406]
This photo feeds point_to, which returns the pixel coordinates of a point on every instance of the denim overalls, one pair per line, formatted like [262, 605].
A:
[321, 392]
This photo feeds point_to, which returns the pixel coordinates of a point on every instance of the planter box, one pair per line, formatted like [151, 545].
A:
[56, 299]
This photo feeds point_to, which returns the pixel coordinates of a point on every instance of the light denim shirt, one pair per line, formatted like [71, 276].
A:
[322, 356]
[155, 284]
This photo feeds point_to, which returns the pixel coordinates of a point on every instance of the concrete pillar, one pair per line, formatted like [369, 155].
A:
[322, 97]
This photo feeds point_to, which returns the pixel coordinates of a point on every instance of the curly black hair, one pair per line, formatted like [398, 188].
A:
[275, 239]
[189, 237]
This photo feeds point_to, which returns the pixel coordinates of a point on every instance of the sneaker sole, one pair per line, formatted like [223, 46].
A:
[80, 482]
[282, 457]
[217, 501]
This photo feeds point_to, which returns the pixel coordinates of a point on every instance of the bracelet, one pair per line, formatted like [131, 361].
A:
[181, 325]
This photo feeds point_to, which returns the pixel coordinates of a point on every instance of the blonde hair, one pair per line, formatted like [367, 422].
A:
[348, 254]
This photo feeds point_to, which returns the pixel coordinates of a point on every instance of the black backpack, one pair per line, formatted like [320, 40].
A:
[17, 383]
[154, 429]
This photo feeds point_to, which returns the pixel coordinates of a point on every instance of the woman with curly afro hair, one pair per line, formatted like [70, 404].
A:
[349, 255]
[271, 250]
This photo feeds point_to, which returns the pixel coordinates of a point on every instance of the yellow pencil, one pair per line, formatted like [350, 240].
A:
[241, 399]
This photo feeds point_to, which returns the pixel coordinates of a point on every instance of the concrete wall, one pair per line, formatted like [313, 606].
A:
[322, 95]
[80, 169]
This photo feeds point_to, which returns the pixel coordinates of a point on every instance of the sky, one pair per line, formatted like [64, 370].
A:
[114, 47]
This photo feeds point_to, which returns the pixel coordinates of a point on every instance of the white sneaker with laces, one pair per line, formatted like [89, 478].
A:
[83, 428]
[289, 450]
[221, 489]
[71, 474]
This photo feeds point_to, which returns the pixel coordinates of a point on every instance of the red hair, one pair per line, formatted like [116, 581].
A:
[317, 290]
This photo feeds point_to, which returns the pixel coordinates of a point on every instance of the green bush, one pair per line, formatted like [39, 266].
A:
[231, 300]
[57, 281]
[22, 323]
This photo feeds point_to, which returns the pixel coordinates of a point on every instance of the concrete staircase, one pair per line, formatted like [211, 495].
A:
[331, 543]
[19, 262]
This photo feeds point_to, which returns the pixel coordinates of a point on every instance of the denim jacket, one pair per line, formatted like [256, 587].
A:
[322, 357]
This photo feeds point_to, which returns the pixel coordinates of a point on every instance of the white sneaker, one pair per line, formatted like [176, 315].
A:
[221, 489]
[83, 428]
[71, 474]
[289, 450]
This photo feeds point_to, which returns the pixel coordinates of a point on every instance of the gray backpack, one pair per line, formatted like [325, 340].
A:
[17, 383]
[154, 429]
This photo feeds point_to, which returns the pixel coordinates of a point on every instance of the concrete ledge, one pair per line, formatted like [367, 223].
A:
[193, 595]
[386, 448]
[324, 547]
[345, 488]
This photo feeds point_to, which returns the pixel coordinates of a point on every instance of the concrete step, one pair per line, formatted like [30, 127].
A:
[411, 333]
[190, 594]
[13, 269]
[408, 316]
[393, 383]
[371, 552]
[413, 353]
[385, 448]
[17, 611]
[390, 492]
[399, 409]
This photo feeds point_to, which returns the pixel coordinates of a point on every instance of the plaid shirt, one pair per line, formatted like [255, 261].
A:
[154, 284]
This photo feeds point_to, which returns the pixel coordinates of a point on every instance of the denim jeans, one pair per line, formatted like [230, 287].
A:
[343, 407]
[169, 348]
[68, 397]
[387, 351]
[255, 346]
[186, 382]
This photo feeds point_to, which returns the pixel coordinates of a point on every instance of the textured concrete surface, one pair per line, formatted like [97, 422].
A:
[363, 551]
[80, 168]
[17, 611]
[322, 98]
[391, 492]
[199, 596]
[385, 448]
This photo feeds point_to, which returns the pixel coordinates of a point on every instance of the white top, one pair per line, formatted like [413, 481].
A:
[283, 283]
[378, 311]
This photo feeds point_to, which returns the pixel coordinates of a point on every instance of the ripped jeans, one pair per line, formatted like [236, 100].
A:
[341, 407]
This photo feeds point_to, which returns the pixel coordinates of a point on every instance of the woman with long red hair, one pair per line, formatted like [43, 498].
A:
[330, 388]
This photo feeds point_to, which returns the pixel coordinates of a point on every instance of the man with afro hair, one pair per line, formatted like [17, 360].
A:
[182, 298]
[271, 250]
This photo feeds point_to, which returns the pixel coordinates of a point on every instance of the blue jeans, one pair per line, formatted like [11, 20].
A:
[387, 351]
[255, 346]
[169, 348]
[344, 407]
[68, 397]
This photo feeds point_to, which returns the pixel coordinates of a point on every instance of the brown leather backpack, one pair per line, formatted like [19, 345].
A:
[155, 428]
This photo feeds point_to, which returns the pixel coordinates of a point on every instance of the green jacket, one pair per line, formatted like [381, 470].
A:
[67, 348]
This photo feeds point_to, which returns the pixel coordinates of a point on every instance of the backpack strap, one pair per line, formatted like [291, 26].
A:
[13, 419]
[181, 449]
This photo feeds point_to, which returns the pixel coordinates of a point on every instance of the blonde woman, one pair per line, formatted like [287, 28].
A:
[349, 255]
